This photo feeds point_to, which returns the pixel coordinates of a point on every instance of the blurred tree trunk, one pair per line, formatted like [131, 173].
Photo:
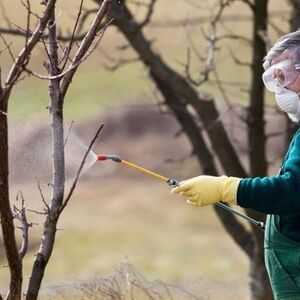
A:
[256, 134]
[178, 93]
[295, 14]
[259, 280]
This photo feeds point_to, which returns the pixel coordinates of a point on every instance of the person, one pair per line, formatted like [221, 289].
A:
[277, 196]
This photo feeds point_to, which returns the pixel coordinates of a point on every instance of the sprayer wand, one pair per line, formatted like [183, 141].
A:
[169, 181]
[173, 183]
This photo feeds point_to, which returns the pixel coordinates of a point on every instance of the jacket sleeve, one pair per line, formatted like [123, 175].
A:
[278, 194]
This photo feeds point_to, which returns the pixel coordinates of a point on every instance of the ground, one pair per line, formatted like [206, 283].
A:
[118, 215]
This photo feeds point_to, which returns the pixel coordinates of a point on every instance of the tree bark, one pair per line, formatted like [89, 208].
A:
[56, 109]
[7, 224]
[57, 91]
[295, 13]
[259, 282]
[256, 131]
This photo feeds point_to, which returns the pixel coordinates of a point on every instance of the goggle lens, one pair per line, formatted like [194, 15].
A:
[280, 74]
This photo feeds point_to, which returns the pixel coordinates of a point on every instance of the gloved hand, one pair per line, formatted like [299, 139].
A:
[205, 190]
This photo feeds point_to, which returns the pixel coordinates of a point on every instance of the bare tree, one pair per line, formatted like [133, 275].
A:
[60, 74]
[8, 230]
[179, 95]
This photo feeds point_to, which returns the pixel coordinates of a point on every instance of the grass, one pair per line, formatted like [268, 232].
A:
[89, 94]
[142, 224]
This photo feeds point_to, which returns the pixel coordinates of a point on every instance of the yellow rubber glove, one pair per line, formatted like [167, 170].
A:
[205, 190]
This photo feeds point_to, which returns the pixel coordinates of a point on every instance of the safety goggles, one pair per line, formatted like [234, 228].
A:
[281, 74]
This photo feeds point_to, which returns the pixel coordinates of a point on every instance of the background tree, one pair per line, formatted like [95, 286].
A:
[180, 94]
[61, 68]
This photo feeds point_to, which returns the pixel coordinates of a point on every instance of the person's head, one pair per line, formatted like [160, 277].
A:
[282, 73]
[286, 55]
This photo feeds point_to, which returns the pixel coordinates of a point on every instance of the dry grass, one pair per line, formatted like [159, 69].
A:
[118, 215]
[126, 283]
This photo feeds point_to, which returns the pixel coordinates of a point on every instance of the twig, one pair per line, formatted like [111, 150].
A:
[191, 42]
[212, 40]
[68, 133]
[84, 18]
[43, 198]
[72, 66]
[233, 36]
[249, 3]
[222, 89]
[7, 45]
[20, 214]
[86, 43]
[23, 57]
[65, 203]
[238, 61]
[265, 37]
[121, 63]
[188, 72]
[69, 47]
[149, 13]
[28, 7]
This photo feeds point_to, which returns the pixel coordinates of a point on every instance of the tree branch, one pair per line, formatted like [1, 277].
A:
[68, 197]
[85, 44]
[69, 47]
[212, 41]
[20, 214]
[249, 3]
[149, 13]
[23, 56]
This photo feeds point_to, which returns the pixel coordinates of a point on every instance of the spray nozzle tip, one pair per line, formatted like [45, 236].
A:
[112, 157]
[101, 157]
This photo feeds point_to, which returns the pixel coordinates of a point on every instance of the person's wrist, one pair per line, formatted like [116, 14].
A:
[230, 188]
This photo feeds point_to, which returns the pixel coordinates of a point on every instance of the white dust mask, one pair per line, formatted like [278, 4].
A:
[289, 102]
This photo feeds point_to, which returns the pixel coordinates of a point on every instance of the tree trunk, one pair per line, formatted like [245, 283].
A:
[295, 15]
[56, 109]
[7, 224]
[256, 134]
[259, 281]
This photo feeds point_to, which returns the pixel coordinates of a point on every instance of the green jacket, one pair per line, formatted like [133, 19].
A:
[278, 195]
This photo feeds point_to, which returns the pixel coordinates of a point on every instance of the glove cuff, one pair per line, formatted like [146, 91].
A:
[230, 187]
